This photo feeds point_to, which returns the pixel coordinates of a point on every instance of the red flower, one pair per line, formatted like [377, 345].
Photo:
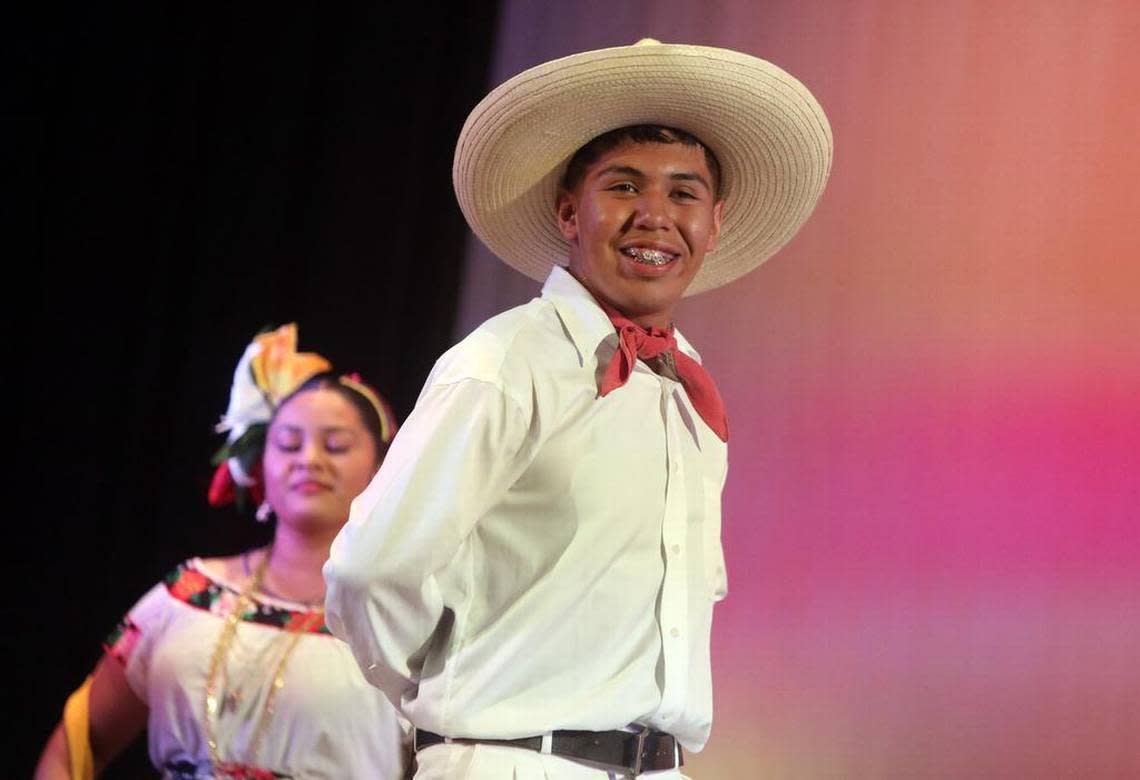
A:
[189, 583]
[222, 489]
[304, 622]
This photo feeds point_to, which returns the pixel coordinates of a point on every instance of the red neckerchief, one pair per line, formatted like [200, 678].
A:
[636, 342]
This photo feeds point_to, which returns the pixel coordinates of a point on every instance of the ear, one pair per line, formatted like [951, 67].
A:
[566, 210]
[714, 234]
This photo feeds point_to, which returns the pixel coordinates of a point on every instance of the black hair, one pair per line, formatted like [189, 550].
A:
[638, 134]
[363, 405]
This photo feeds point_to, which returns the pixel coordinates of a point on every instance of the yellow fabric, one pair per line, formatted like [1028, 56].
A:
[75, 726]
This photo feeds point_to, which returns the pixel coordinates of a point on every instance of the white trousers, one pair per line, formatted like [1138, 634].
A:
[495, 762]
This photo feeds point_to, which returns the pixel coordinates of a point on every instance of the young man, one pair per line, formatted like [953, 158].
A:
[531, 575]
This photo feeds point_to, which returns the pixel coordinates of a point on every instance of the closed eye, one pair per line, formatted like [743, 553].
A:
[286, 440]
[339, 442]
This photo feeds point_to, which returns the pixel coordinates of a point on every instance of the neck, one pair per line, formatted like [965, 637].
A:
[299, 552]
[647, 322]
[662, 320]
[659, 321]
[294, 570]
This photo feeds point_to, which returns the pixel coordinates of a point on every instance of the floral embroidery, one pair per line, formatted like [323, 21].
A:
[302, 622]
[188, 770]
[120, 643]
[191, 586]
[246, 772]
[188, 585]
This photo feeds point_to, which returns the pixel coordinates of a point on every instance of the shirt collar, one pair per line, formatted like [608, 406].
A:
[584, 319]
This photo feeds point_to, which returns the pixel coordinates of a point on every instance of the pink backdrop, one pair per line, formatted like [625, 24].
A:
[931, 518]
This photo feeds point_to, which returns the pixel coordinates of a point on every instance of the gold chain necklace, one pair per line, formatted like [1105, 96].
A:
[214, 702]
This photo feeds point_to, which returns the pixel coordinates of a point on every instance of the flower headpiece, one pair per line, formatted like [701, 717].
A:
[269, 371]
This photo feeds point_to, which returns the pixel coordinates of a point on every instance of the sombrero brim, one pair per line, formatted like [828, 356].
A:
[768, 132]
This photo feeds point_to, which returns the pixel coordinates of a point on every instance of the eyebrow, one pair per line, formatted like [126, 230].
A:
[629, 170]
[324, 429]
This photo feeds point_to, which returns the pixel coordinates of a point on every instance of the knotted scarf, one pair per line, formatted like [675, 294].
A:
[636, 342]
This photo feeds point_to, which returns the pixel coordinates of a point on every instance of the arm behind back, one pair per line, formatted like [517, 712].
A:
[115, 716]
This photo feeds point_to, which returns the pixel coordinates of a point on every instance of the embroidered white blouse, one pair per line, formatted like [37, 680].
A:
[327, 721]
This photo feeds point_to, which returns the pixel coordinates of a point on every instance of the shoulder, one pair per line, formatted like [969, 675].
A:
[206, 582]
[506, 348]
[233, 570]
[216, 586]
[155, 608]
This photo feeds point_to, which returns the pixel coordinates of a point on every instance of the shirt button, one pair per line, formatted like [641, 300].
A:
[674, 632]
[676, 549]
[675, 467]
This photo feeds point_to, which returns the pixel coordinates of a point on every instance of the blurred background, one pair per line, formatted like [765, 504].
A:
[931, 518]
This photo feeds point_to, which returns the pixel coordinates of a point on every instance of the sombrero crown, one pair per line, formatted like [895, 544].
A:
[768, 132]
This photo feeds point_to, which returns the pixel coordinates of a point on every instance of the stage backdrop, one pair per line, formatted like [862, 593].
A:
[934, 391]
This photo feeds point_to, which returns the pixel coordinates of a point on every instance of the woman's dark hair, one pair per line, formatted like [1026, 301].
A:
[369, 414]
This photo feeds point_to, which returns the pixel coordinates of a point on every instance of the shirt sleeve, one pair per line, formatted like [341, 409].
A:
[460, 450]
[132, 641]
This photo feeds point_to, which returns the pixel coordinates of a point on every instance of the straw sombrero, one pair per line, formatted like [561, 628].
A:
[767, 131]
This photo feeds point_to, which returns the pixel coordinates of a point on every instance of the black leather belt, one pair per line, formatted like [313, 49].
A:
[633, 751]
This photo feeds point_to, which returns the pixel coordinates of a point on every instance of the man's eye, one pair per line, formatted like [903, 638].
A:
[624, 186]
[288, 446]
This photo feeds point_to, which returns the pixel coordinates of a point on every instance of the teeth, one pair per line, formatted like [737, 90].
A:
[648, 256]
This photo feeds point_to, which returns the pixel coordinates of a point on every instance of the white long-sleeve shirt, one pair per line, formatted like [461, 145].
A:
[530, 556]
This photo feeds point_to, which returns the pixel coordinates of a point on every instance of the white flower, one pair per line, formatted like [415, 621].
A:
[247, 403]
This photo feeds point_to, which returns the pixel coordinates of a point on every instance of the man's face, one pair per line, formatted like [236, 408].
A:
[639, 223]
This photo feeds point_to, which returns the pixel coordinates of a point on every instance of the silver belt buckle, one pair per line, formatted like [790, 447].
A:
[416, 740]
[641, 735]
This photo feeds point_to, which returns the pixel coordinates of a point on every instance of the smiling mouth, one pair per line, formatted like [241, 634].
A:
[649, 256]
[310, 487]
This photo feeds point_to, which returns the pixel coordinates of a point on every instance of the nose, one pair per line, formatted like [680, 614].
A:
[652, 210]
[311, 454]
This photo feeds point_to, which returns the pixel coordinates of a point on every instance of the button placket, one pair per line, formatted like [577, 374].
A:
[674, 603]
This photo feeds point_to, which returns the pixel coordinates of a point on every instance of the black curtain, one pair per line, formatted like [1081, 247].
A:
[188, 175]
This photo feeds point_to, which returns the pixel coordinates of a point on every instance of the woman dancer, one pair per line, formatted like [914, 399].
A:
[227, 663]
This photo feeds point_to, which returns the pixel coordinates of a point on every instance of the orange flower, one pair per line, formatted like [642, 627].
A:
[278, 369]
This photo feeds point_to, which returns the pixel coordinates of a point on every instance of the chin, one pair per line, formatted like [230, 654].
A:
[645, 305]
[314, 518]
